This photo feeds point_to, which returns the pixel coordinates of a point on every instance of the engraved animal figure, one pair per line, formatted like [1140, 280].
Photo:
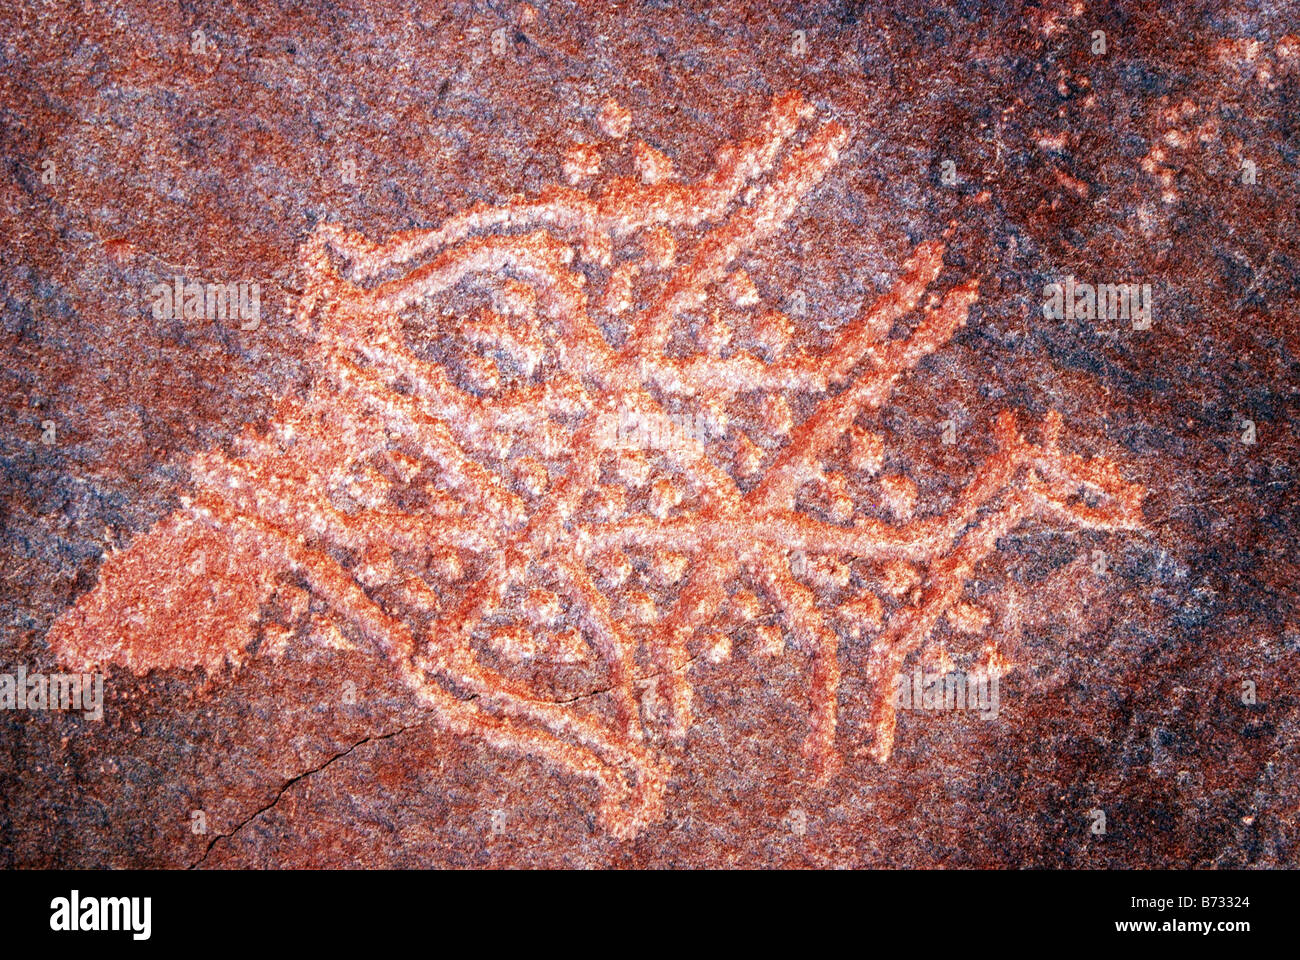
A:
[516, 484]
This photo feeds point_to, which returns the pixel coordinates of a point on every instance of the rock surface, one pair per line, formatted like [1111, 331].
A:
[213, 143]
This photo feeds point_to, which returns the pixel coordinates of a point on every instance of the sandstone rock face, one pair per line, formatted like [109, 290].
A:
[572, 436]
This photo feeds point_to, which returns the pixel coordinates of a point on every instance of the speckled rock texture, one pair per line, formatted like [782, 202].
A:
[944, 166]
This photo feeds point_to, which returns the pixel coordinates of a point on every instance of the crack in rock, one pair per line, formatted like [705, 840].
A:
[373, 738]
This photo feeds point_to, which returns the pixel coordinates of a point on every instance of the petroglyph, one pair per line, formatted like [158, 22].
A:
[564, 430]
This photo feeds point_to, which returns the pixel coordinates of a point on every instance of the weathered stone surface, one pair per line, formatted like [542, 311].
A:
[1125, 691]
